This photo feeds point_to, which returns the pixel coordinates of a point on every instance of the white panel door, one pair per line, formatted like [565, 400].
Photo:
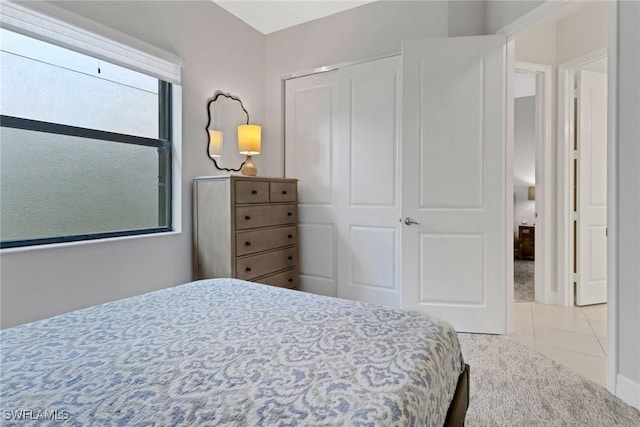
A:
[453, 181]
[310, 111]
[592, 189]
[369, 182]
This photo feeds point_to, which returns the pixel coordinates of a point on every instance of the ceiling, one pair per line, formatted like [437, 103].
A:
[269, 16]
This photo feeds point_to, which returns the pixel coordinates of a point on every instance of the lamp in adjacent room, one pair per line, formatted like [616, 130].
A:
[215, 143]
[532, 193]
[249, 138]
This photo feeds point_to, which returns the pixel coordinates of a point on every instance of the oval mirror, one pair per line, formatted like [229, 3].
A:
[225, 113]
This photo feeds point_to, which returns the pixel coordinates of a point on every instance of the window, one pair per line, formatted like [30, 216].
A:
[85, 146]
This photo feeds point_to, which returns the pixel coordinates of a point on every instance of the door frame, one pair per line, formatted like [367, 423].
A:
[546, 9]
[566, 134]
[544, 289]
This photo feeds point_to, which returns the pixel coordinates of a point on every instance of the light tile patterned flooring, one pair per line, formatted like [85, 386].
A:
[573, 336]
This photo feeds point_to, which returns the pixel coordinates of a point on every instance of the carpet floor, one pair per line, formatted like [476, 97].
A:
[512, 385]
[523, 280]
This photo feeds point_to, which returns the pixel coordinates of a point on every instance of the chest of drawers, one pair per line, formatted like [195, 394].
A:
[527, 236]
[246, 228]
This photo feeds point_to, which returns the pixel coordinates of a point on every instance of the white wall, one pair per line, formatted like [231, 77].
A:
[582, 32]
[373, 29]
[499, 13]
[220, 52]
[524, 161]
[581, 29]
[538, 44]
[629, 202]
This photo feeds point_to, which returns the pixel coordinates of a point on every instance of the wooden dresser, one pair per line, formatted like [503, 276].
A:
[247, 228]
[527, 237]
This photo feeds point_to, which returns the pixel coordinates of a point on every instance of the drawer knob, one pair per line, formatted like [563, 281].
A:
[290, 257]
[247, 217]
[247, 243]
[290, 236]
[290, 279]
[284, 191]
[247, 269]
[289, 213]
[254, 191]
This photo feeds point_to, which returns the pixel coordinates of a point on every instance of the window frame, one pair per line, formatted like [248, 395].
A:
[56, 26]
[165, 170]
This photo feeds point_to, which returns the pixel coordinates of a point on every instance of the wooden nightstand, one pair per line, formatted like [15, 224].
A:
[527, 237]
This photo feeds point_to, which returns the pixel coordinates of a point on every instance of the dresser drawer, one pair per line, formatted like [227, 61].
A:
[265, 216]
[248, 242]
[283, 192]
[286, 279]
[251, 192]
[263, 264]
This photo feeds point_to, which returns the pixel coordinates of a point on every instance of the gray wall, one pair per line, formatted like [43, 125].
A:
[499, 13]
[524, 160]
[629, 193]
[373, 29]
[466, 18]
[220, 52]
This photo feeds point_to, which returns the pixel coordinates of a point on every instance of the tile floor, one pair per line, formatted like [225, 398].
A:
[573, 336]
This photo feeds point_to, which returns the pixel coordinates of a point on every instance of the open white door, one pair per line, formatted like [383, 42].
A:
[592, 188]
[453, 180]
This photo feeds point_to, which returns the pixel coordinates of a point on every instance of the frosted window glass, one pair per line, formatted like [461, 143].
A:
[40, 81]
[59, 185]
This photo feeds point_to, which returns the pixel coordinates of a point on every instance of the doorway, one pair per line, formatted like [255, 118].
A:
[545, 324]
[524, 181]
[533, 161]
[586, 164]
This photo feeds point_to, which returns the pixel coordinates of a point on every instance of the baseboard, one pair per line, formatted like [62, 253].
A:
[628, 391]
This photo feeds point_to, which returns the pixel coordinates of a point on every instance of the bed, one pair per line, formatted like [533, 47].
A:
[234, 353]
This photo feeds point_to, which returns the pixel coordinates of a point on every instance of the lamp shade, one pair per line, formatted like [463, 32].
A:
[215, 143]
[249, 137]
[532, 193]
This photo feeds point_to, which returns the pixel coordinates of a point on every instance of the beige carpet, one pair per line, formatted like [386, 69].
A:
[523, 280]
[512, 385]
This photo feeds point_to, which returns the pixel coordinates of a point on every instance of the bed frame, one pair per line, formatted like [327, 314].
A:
[460, 403]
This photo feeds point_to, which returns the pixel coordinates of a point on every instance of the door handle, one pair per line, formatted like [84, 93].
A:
[409, 221]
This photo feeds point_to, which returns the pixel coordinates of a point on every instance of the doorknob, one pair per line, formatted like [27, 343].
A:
[408, 220]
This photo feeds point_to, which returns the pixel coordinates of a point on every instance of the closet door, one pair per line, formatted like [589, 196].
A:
[453, 181]
[311, 155]
[342, 137]
[369, 182]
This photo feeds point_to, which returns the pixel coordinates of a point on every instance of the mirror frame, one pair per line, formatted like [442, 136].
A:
[216, 95]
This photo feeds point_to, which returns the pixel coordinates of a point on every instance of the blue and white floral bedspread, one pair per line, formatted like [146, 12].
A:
[231, 353]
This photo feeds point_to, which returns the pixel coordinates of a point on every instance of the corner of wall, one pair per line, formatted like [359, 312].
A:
[628, 391]
[466, 18]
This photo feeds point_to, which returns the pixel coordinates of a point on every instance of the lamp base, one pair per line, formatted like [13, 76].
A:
[248, 168]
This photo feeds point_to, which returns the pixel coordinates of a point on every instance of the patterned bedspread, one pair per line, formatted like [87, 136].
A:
[231, 353]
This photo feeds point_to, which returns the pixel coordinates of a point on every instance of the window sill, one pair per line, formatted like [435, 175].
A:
[6, 251]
